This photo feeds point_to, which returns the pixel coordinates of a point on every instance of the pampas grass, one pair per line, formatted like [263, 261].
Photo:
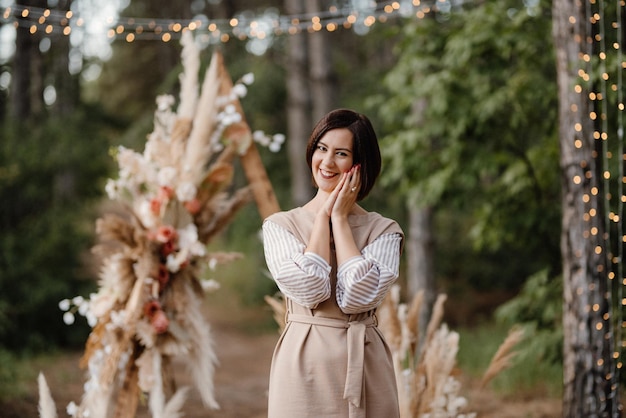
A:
[427, 387]
[47, 409]
[502, 360]
[175, 404]
[277, 303]
[188, 79]
[201, 355]
[198, 150]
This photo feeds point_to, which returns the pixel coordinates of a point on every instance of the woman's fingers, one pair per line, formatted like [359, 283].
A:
[332, 198]
[355, 179]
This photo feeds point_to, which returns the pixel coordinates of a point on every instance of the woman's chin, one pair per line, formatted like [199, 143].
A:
[326, 188]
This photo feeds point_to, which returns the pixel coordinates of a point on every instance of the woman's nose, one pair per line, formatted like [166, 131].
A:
[329, 160]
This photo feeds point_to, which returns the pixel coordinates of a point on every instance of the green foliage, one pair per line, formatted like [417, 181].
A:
[8, 375]
[48, 175]
[538, 309]
[470, 127]
[470, 94]
[527, 376]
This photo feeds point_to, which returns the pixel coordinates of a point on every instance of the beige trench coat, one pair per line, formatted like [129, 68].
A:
[326, 363]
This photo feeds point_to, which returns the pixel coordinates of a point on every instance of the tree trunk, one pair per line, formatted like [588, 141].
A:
[67, 85]
[588, 371]
[20, 84]
[323, 87]
[420, 251]
[299, 122]
[26, 95]
[420, 260]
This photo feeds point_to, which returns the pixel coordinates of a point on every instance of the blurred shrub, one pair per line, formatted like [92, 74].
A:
[50, 176]
[538, 308]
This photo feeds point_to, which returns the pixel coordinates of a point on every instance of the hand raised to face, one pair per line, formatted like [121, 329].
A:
[344, 196]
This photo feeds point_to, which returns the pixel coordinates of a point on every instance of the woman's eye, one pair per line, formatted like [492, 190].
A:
[321, 148]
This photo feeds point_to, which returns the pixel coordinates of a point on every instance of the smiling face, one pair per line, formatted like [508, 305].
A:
[332, 157]
[356, 129]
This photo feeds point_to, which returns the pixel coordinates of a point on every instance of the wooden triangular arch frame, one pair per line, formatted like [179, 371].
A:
[253, 167]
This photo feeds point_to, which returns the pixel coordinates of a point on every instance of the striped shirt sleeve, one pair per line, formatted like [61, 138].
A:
[363, 281]
[302, 276]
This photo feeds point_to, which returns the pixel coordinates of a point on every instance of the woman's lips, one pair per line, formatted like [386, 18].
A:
[327, 174]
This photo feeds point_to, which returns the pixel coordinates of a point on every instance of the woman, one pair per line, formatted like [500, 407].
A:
[334, 262]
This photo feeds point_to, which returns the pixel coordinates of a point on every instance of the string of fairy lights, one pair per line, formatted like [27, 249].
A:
[621, 226]
[601, 78]
[59, 22]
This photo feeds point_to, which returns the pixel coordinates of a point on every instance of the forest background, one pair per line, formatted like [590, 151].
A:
[465, 104]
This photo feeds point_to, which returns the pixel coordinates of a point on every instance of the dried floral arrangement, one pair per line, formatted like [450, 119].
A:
[427, 387]
[147, 310]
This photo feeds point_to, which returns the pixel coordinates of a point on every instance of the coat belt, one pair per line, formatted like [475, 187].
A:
[356, 350]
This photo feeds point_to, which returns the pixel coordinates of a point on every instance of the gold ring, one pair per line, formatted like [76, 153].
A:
[353, 189]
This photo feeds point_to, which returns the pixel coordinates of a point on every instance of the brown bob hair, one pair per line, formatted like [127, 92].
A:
[365, 149]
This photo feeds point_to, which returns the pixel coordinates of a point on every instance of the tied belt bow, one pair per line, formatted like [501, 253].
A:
[356, 349]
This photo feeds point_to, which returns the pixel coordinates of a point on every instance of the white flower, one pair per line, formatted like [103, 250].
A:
[83, 308]
[439, 402]
[455, 404]
[129, 161]
[146, 215]
[279, 138]
[209, 285]
[212, 263]
[260, 138]
[248, 78]
[78, 300]
[240, 90]
[188, 240]
[68, 318]
[71, 408]
[166, 176]
[197, 249]
[230, 109]
[174, 261]
[236, 117]
[112, 189]
[92, 320]
[135, 169]
[164, 102]
[274, 147]
[187, 235]
[186, 191]
[118, 318]
[64, 305]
